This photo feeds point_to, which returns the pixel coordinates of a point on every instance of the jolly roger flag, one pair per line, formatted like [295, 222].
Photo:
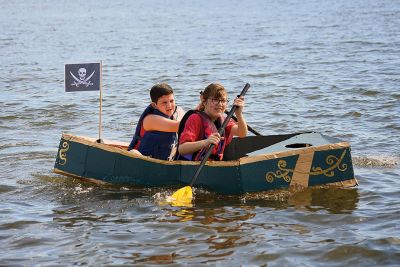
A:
[82, 77]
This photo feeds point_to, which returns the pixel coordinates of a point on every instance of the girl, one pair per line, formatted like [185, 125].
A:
[201, 127]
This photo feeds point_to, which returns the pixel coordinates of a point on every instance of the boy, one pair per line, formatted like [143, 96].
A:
[155, 134]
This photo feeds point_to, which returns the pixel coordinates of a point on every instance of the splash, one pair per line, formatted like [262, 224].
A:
[385, 161]
[80, 190]
[280, 195]
[166, 198]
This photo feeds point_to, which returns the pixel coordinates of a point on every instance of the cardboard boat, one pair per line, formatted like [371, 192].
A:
[251, 164]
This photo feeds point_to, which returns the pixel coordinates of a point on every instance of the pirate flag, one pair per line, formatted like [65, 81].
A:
[82, 77]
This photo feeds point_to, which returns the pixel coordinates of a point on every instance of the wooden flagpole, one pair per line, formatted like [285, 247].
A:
[101, 90]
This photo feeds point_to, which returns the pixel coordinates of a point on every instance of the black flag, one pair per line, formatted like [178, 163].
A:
[82, 77]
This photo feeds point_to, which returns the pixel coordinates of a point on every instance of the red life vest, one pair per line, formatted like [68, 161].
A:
[209, 127]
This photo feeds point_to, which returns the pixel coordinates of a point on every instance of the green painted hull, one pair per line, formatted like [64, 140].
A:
[260, 170]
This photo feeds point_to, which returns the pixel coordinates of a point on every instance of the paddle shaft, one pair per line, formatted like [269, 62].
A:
[248, 127]
[220, 131]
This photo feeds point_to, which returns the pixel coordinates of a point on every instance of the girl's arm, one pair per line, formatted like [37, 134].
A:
[241, 128]
[191, 147]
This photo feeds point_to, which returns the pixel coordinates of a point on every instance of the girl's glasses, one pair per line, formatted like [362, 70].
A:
[216, 101]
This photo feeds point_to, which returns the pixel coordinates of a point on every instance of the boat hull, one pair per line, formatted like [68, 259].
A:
[329, 164]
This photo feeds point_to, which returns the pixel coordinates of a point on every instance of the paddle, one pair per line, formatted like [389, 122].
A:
[184, 195]
[248, 127]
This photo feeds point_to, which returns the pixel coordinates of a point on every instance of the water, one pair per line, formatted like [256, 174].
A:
[326, 66]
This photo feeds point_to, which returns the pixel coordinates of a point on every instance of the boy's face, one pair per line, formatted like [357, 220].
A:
[166, 104]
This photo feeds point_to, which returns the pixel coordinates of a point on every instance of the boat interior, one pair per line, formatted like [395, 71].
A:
[258, 145]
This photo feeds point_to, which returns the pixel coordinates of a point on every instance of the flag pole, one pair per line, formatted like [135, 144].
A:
[101, 86]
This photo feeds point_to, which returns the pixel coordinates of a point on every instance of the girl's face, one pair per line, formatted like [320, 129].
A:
[215, 106]
[166, 104]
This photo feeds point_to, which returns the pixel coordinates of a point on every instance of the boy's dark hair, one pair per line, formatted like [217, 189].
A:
[159, 90]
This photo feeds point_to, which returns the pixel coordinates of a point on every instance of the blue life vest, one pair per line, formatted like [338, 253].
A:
[155, 144]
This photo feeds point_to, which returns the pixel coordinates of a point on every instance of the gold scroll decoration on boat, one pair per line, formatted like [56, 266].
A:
[300, 173]
[63, 153]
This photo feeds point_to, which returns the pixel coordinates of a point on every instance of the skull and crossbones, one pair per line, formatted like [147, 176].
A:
[82, 80]
[82, 74]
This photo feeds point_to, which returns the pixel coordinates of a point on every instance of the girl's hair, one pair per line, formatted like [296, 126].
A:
[159, 90]
[213, 90]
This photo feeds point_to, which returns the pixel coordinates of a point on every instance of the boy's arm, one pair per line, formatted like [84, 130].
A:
[158, 123]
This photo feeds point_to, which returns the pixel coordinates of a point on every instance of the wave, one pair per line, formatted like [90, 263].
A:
[385, 161]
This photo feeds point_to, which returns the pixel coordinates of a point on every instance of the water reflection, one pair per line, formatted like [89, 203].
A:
[153, 259]
[210, 215]
[335, 201]
[214, 228]
[219, 229]
[210, 208]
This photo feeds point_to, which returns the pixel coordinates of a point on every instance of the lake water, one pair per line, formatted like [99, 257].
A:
[325, 66]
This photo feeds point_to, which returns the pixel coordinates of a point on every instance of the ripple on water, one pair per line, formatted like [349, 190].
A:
[8, 118]
[6, 188]
[17, 225]
[395, 95]
[365, 92]
[28, 242]
[393, 126]
[351, 254]
[355, 114]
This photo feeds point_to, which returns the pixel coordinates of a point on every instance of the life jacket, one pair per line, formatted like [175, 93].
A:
[155, 144]
[209, 127]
